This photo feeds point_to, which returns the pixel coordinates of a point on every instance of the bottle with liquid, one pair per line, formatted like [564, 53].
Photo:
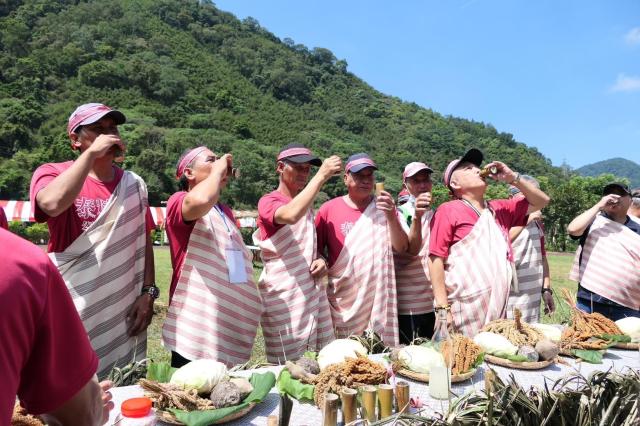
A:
[136, 412]
[440, 376]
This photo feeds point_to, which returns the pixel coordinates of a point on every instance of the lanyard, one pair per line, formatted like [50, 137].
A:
[222, 215]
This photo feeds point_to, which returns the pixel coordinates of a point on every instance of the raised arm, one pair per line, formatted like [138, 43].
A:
[423, 203]
[202, 197]
[536, 198]
[399, 239]
[580, 223]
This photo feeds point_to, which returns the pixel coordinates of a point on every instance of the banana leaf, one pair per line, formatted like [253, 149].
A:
[294, 387]
[591, 356]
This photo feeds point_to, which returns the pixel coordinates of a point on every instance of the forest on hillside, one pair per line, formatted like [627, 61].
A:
[186, 73]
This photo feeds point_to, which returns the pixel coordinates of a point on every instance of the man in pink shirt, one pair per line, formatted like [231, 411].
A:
[99, 225]
[296, 312]
[45, 357]
[469, 244]
[359, 232]
[215, 307]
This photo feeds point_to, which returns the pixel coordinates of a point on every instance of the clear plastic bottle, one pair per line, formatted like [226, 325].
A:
[136, 412]
[440, 377]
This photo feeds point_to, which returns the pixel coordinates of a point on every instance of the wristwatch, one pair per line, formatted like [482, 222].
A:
[547, 290]
[152, 290]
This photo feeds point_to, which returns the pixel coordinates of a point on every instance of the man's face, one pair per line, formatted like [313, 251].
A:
[84, 137]
[467, 177]
[360, 184]
[294, 175]
[419, 183]
[200, 168]
[622, 204]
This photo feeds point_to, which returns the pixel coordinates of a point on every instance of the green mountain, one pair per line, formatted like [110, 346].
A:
[619, 167]
[186, 73]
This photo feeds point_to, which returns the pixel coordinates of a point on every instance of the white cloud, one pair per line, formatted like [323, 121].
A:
[626, 83]
[633, 36]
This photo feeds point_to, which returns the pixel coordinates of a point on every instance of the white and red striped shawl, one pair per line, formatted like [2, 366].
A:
[413, 284]
[362, 288]
[527, 252]
[296, 310]
[104, 272]
[209, 317]
[610, 262]
[478, 276]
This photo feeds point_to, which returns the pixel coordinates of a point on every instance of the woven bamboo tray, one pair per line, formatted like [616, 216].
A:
[424, 377]
[168, 417]
[538, 365]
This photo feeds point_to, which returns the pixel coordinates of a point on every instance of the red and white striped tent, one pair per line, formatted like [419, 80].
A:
[21, 211]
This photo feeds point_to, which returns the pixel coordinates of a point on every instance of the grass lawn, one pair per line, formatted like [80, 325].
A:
[560, 264]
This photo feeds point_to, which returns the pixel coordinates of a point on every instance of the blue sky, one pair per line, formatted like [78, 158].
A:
[562, 76]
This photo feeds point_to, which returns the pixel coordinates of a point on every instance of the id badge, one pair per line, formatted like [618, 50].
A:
[235, 264]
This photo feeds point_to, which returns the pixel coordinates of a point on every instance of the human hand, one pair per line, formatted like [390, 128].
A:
[385, 202]
[140, 314]
[330, 167]
[537, 215]
[503, 174]
[105, 144]
[423, 204]
[107, 403]
[318, 268]
[222, 165]
[549, 303]
[608, 200]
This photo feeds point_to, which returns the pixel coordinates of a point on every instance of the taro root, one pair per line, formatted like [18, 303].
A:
[243, 385]
[310, 365]
[225, 394]
[529, 352]
[547, 349]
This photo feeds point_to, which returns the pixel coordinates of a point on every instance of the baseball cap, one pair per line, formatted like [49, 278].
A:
[612, 187]
[415, 167]
[90, 113]
[473, 156]
[358, 162]
[635, 193]
[298, 153]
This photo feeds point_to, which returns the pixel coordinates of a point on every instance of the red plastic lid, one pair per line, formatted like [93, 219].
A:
[136, 407]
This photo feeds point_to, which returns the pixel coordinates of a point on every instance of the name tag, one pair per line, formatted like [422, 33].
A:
[235, 265]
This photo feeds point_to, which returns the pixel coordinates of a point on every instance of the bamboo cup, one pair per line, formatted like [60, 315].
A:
[385, 399]
[349, 405]
[379, 188]
[402, 397]
[330, 410]
[369, 403]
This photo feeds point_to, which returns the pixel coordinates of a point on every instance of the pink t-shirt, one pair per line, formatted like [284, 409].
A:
[334, 220]
[454, 220]
[70, 224]
[267, 207]
[45, 355]
[179, 232]
[3, 219]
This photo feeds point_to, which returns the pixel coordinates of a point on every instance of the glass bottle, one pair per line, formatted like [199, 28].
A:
[440, 376]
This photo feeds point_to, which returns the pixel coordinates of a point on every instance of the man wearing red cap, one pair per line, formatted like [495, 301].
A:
[607, 262]
[415, 296]
[469, 242]
[99, 224]
[359, 233]
[296, 311]
[46, 359]
[214, 306]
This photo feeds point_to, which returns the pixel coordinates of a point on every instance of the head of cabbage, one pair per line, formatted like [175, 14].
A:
[420, 358]
[202, 375]
[495, 344]
[338, 350]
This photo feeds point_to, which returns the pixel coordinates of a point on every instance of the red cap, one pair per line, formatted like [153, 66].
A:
[136, 407]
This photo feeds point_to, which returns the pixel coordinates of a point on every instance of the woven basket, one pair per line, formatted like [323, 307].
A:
[538, 365]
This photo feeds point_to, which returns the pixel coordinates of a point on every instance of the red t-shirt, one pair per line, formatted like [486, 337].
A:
[333, 222]
[70, 224]
[45, 355]
[3, 219]
[454, 220]
[179, 232]
[267, 207]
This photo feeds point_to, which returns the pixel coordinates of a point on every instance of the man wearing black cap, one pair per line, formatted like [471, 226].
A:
[607, 263]
[296, 311]
[359, 231]
[469, 244]
[634, 208]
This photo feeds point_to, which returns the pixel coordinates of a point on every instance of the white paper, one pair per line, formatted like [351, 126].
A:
[235, 265]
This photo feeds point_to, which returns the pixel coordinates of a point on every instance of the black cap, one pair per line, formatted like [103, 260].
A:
[299, 158]
[615, 187]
